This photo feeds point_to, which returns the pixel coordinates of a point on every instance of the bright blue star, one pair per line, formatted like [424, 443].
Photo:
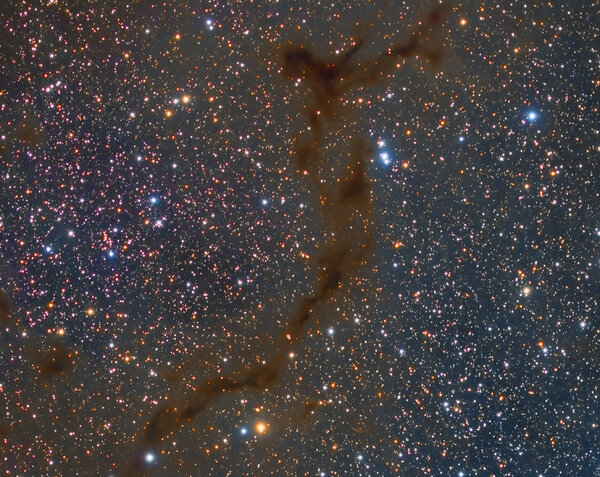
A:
[153, 199]
[385, 157]
[532, 115]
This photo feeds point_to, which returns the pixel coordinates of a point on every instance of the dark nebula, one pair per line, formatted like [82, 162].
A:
[299, 238]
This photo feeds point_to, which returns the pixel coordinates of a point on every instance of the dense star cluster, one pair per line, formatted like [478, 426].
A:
[299, 238]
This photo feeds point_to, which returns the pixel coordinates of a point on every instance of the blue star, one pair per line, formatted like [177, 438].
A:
[532, 115]
[385, 157]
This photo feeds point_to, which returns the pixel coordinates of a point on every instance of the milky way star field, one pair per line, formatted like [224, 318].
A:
[299, 238]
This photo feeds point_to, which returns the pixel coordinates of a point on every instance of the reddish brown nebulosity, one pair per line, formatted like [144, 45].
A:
[344, 204]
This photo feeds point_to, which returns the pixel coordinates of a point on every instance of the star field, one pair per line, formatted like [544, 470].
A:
[299, 238]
